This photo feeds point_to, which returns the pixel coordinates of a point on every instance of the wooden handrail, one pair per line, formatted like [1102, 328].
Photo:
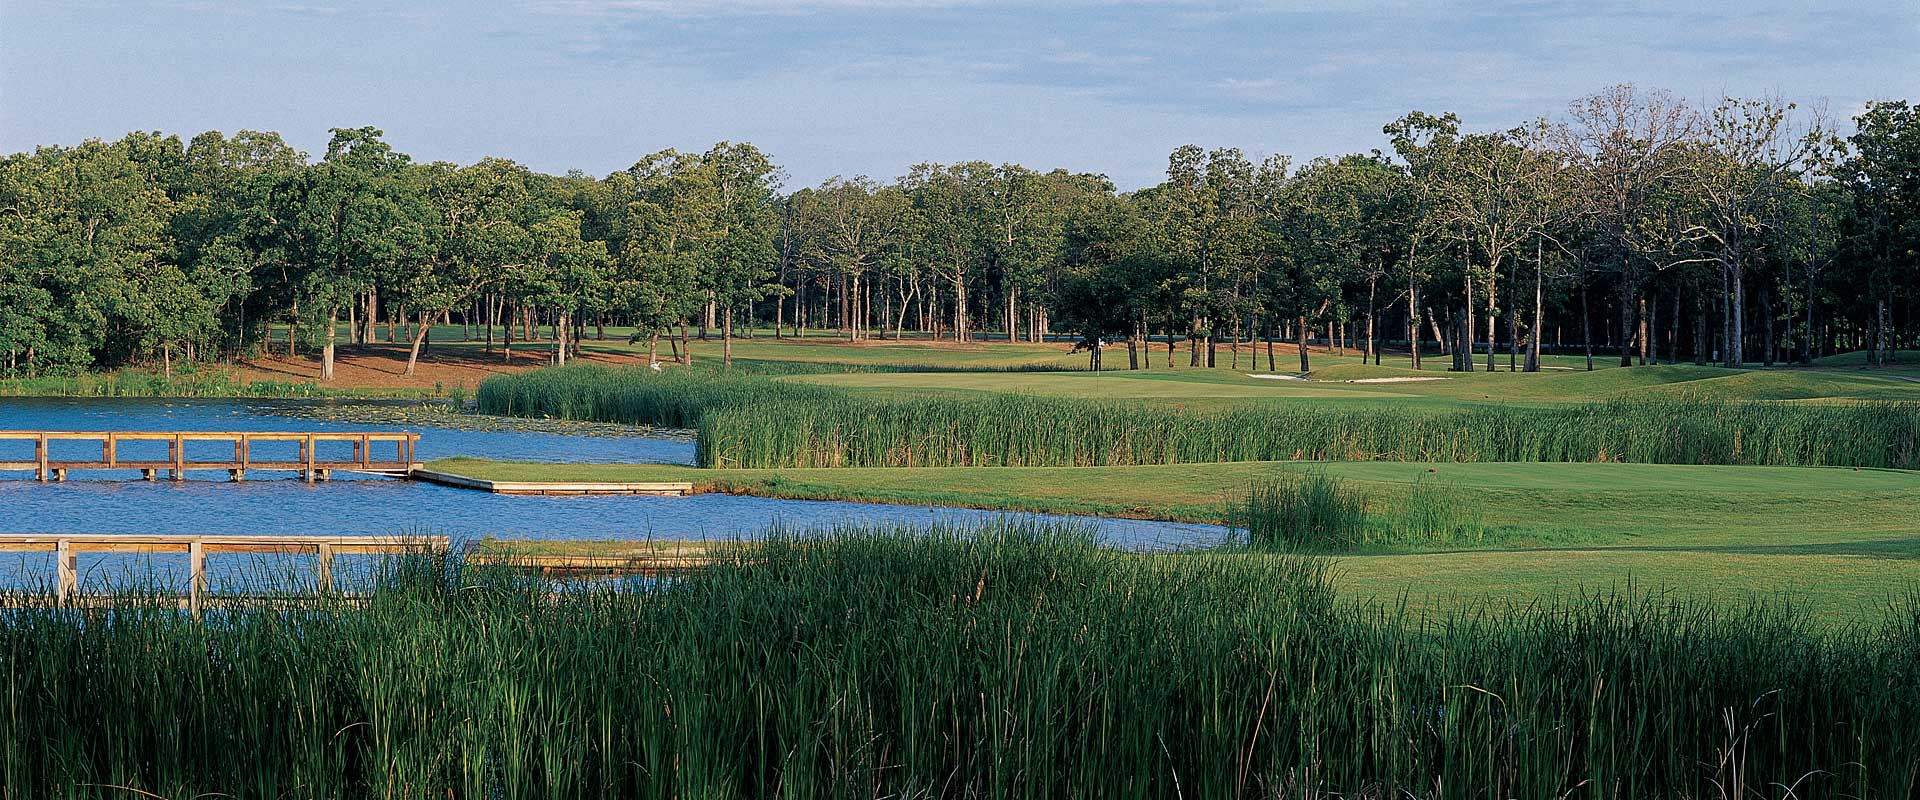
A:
[67, 548]
[308, 464]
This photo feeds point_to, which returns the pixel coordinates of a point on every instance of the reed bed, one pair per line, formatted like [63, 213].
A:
[1313, 511]
[749, 421]
[1010, 660]
[133, 383]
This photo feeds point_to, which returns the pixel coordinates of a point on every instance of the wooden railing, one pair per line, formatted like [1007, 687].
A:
[307, 463]
[68, 547]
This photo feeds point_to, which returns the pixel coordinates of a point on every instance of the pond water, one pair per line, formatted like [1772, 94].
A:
[113, 502]
[436, 441]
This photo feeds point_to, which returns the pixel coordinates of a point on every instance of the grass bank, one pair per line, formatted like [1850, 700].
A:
[1010, 661]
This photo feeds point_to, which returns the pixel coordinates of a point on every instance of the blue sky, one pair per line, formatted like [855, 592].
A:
[846, 87]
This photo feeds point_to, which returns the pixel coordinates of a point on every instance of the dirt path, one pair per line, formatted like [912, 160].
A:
[382, 366]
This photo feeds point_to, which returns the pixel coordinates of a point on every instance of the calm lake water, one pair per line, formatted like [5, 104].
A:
[276, 503]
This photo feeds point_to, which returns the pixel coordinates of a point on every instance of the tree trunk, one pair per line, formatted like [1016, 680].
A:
[1463, 351]
[726, 338]
[1271, 335]
[373, 307]
[1373, 350]
[1806, 348]
[1586, 323]
[1302, 339]
[419, 336]
[959, 306]
[326, 354]
[1699, 332]
[1626, 324]
[1673, 330]
[1736, 325]
[1539, 313]
[1493, 272]
[1413, 322]
[1640, 317]
[1766, 344]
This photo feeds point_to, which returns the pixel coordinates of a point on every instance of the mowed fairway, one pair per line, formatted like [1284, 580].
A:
[1844, 542]
[1347, 380]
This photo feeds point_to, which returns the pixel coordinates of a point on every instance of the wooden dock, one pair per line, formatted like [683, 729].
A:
[307, 461]
[655, 488]
[67, 548]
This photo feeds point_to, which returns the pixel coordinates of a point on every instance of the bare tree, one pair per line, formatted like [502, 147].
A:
[1753, 151]
[1626, 148]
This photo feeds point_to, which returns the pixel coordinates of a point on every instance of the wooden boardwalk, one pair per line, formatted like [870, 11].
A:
[307, 461]
[68, 547]
[656, 488]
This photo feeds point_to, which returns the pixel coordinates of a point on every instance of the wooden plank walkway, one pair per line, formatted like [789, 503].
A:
[67, 548]
[656, 488]
[308, 463]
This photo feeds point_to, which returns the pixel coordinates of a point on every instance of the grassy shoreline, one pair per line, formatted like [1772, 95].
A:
[1843, 541]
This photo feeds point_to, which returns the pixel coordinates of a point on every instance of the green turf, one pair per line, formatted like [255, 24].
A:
[1357, 383]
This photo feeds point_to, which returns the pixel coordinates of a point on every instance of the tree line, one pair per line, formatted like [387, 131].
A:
[1634, 225]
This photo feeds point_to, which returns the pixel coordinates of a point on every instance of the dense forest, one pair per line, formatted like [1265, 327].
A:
[1633, 224]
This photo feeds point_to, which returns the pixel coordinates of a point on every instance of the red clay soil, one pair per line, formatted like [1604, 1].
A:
[382, 366]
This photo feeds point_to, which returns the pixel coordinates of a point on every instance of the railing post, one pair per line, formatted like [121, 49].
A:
[66, 567]
[40, 457]
[196, 576]
[324, 566]
[307, 456]
[179, 459]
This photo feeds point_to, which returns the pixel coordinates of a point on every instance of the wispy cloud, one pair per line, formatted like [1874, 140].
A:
[852, 86]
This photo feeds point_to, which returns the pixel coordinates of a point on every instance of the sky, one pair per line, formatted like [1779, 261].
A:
[871, 87]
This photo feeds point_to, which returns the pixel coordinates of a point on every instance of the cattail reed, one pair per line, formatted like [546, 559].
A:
[1009, 660]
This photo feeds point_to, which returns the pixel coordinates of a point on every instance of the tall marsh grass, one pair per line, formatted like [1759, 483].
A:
[137, 383]
[1302, 510]
[748, 421]
[1012, 660]
[1315, 511]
